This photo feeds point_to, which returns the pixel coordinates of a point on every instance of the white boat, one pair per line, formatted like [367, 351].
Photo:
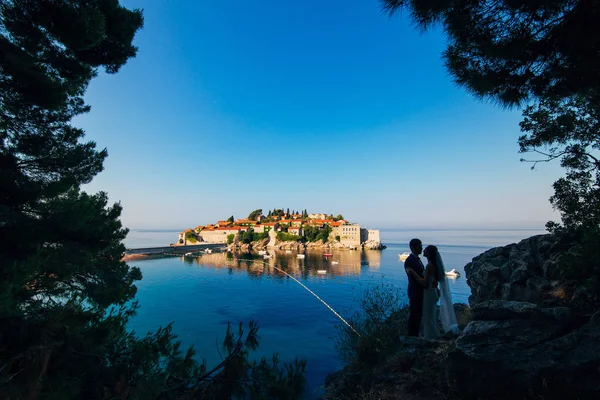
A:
[403, 256]
[300, 255]
[453, 273]
[335, 262]
[321, 271]
[208, 251]
[189, 253]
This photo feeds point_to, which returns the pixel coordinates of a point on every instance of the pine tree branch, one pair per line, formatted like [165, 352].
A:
[550, 157]
[10, 377]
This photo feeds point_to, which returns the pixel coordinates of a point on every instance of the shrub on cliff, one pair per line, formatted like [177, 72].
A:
[384, 363]
[250, 236]
[287, 237]
[314, 233]
[579, 270]
[379, 320]
[191, 237]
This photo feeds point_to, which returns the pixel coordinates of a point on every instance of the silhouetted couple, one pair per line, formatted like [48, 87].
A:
[423, 292]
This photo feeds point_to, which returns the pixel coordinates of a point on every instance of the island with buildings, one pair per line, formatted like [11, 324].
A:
[289, 230]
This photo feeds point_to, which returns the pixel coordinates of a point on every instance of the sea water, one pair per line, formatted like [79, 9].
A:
[201, 295]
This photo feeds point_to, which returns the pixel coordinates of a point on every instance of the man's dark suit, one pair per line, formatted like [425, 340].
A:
[415, 295]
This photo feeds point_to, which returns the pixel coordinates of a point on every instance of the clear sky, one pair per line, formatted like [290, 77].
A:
[328, 106]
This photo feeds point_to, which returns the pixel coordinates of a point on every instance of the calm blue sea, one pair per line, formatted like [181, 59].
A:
[201, 294]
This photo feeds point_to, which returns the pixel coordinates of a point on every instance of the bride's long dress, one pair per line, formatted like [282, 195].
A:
[431, 329]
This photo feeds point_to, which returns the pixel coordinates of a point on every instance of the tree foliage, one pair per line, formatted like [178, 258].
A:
[511, 51]
[314, 233]
[251, 236]
[230, 238]
[543, 52]
[568, 130]
[191, 237]
[65, 295]
[253, 216]
[288, 237]
[278, 212]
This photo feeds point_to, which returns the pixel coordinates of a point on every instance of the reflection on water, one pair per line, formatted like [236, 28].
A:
[340, 263]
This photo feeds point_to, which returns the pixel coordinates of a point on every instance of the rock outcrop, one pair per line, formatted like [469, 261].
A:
[329, 245]
[527, 340]
[520, 350]
[523, 342]
[519, 272]
[286, 245]
[400, 377]
[260, 244]
[373, 245]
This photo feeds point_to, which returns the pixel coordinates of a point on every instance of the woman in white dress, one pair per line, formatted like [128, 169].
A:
[434, 275]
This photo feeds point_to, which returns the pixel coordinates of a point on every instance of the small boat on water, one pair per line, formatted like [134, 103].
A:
[300, 255]
[321, 271]
[335, 262]
[189, 253]
[403, 256]
[208, 251]
[452, 273]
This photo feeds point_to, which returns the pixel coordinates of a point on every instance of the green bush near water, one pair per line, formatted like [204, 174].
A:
[313, 233]
[191, 237]
[288, 237]
[250, 236]
[230, 238]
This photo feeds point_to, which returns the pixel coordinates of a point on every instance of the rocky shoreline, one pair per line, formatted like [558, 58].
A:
[527, 339]
[274, 244]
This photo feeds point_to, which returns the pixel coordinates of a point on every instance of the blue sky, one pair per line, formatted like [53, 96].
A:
[325, 105]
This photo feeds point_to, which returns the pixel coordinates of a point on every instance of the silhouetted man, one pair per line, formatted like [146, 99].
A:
[415, 289]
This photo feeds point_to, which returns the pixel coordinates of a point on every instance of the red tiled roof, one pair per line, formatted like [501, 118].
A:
[230, 228]
[270, 223]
